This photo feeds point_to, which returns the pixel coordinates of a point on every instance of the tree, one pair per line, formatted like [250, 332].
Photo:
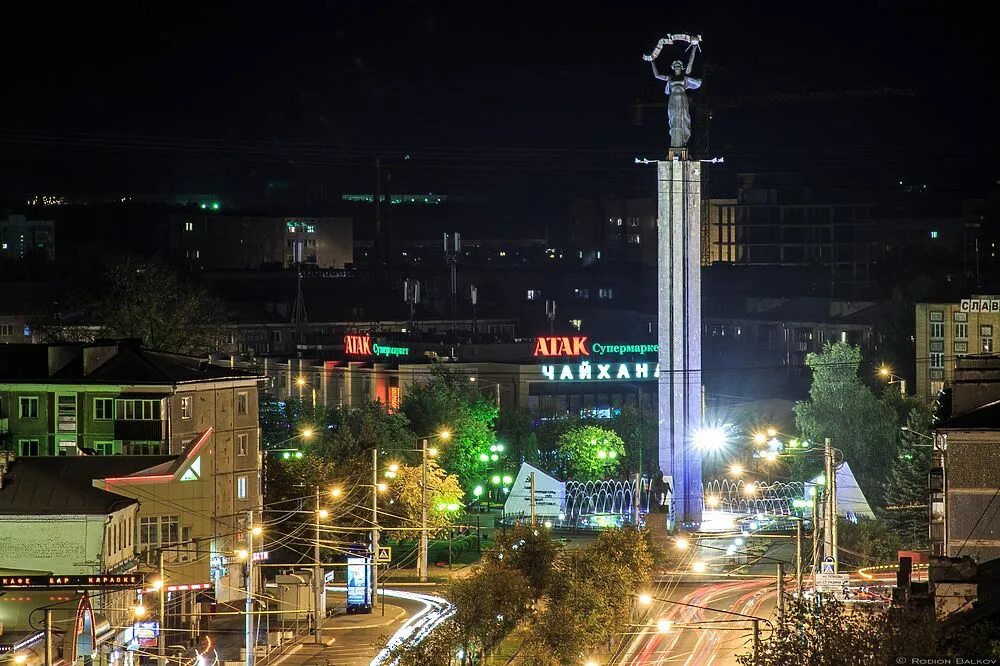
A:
[148, 301]
[906, 493]
[531, 551]
[406, 494]
[590, 453]
[870, 540]
[488, 605]
[638, 429]
[288, 485]
[845, 410]
[514, 430]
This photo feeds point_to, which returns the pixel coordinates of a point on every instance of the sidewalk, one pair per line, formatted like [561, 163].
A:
[348, 640]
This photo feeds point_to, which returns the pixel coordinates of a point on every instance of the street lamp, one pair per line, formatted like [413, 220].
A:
[919, 434]
[736, 470]
[663, 625]
[885, 372]
[139, 611]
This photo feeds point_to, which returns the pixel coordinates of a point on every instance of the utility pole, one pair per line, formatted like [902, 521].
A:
[635, 497]
[49, 657]
[798, 555]
[833, 511]
[374, 562]
[816, 527]
[161, 639]
[320, 604]
[422, 560]
[249, 639]
[830, 505]
[532, 497]
[781, 592]
[756, 638]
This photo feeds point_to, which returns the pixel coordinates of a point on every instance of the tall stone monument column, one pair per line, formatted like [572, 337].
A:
[679, 299]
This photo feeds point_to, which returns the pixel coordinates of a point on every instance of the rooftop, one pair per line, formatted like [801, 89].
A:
[48, 486]
[113, 362]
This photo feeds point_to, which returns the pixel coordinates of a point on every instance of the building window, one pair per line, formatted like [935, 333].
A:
[27, 407]
[581, 293]
[986, 330]
[605, 292]
[189, 226]
[241, 444]
[27, 447]
[66, 413]
[937, 360]
[186, 407]
[156, 531]
[241, 487]
[961, 331]
[534, 294]
[987, 345]
[276, 336]
[632, 239]
[937, 329]
[143, 448]
[106, 448]
[241, 403]
[576, 323]
[937, 387]
[6, 329]
[137, 410]
[104, 409]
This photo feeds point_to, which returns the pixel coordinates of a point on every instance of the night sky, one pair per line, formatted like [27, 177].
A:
[520, 103]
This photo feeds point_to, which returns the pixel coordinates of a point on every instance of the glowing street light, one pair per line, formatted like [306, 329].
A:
[710, 439]
[711, 501]
[307, 433]
[698, 567]
[477, 491]
[157, 584]
[750, 489]
[256, 530]
[495, 479]
[445, 434]
[242, 553]
[772, 433]
[382, 487]
[736, 470]
[645, 599]
[759, 438]
[139, 611]
[20, 659]
[432, 452]
[507, 480]
[300, 381]
[681, 543]
[336, 492]
[324, 514]
[663, 625]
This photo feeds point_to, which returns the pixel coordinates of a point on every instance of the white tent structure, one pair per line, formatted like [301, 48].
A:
[550, 494]
[851, 501]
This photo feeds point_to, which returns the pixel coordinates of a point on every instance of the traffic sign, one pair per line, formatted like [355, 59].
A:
[831, 582]
[384, 554]
[828, 565]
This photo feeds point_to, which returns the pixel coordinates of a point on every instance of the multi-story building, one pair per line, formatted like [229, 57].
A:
[180, 435]
[947, 331]
[21, 237]
[966, 470]
[234, 242]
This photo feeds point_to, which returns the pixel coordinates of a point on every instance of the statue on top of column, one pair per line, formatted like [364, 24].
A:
[678, 83]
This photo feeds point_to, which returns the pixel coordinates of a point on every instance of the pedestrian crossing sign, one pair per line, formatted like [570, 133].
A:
[828, 565]
[384, 554]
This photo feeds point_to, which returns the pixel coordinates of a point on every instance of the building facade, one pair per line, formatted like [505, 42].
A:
[21, 238]
[945, 332]
[177, 434]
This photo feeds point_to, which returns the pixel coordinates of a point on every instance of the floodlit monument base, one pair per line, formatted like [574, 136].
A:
[679, 301]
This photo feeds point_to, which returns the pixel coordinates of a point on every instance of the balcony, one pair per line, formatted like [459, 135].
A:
[140, 430]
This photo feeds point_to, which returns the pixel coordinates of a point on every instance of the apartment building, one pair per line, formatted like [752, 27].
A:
[947, 331]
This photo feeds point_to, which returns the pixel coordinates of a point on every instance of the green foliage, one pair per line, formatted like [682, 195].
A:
[871, 541]
[533, 552]
[638, 429]
[349, 435]
[148, 301]
[907, 485]
[514, 430]
[448, 401]
[832, 635]
[590, 453]
[406, 493]
[488, 605]
[842, 408]
[285, 481]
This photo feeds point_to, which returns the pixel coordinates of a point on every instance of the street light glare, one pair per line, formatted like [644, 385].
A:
[335, 492]
[477, 491]
[20, 659]
[681, 543]
[645, 599]
[663, 625]
[698, 567]
[432, 452]
[393, 467]
[307, 433]
[382, 487]
[242, 553]
[736, 470]
[324, 514]
[256, 531]
[445, 434]
[139, 611]
[759, 438]
[301, 381]
[157, 584]
[710, 439]
[711, 501]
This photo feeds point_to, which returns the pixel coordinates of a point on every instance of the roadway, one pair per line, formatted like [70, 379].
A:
[699, 636]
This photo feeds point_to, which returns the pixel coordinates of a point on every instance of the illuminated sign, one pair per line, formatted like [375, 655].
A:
[361, 345]
[561, 346]
[75, 582]
[991, 304]
[587, 371]
[550, 346]
[357, 581]
[394, 397]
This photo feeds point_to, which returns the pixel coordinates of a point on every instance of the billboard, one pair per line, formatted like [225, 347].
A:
[357, 582]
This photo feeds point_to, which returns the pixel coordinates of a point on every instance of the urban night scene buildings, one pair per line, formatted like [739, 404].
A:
[549, 335]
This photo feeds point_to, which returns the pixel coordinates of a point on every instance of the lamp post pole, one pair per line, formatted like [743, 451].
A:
[318, 582]
[422, 562]
[249, 639]
[374, 563]
[161, 639]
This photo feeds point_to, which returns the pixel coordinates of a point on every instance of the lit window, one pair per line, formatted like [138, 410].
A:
[987, 345]
[189, 226]
[961, 331]
[241, 487]
[934, 234]
[576, 323]
[241, 403]
[186, 407]
[937, 360]
[241, 444]
[534, 294]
